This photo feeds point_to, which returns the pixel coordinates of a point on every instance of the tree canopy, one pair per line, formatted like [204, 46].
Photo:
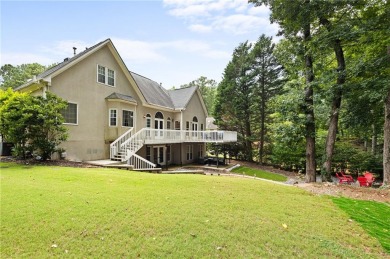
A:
[14, 76]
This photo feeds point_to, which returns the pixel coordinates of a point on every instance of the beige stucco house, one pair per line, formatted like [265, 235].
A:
[118, 114]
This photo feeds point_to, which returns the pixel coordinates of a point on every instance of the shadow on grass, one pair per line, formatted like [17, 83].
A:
[259, 173]
[372, 216]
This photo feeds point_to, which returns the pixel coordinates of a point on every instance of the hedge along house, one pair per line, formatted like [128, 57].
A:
[115, 113]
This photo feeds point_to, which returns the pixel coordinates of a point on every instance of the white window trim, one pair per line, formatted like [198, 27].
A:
[123, 119]
[77, 115]
[106, 75]
[109, 117]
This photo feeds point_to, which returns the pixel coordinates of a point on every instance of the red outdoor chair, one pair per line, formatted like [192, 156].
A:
[346, 176]
[370, 178]
[363, 181]
[344, 179]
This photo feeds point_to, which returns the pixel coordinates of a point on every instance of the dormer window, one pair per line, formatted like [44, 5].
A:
[106, 76]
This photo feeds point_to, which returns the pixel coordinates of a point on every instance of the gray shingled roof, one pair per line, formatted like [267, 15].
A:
[181, 97]
[153, 92]
[64, 63]
[118, 96]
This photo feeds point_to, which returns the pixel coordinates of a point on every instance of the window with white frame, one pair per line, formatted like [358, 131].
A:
[111, 77]
[101, 74]
[127, 118]
[70, 114]
[189, 152]
[113, 117]
[105, 75]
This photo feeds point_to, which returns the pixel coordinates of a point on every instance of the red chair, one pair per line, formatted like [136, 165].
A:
[370, 178]
[347, 176]
[344, 179]
[363, 181]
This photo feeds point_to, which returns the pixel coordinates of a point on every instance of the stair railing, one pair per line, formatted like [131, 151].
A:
[140, 163]
[115, 147]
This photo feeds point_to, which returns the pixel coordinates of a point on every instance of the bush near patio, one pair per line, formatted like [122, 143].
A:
[52, 211]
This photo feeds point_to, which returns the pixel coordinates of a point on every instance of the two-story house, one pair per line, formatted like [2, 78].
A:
[118, 114]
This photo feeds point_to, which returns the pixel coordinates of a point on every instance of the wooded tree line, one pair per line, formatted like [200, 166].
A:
[316, 98]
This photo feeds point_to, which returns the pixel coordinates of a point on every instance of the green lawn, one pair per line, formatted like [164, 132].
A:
[259, 173]
[374, 217]
[110, 213]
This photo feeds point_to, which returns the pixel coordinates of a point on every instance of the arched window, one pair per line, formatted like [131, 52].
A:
[159, 124]
[159, 115]
[195, 124]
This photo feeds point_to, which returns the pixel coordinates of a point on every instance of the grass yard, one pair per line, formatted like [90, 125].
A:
[110, 213]
[374, 217]
[259, 173]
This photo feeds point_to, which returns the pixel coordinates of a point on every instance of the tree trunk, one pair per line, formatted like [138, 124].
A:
[262, 118]
[336, 104]
[386, 141]
[309, 111]
[248, 142]
[373, 140]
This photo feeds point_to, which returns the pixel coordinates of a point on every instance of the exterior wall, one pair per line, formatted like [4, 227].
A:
[194, 108]
[89, 139]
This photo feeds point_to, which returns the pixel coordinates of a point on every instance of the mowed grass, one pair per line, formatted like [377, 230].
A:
[259, 173]
[106, 213]
[374, 217]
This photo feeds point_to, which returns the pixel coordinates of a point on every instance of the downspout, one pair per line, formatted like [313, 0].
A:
[181, 144]
[135, 120]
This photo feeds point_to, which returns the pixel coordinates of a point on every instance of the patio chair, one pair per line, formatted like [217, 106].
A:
[346, 176]
[370, 178]
[363, 181]
[344, 179]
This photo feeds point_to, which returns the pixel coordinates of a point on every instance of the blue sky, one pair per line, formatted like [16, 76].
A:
[169, 41]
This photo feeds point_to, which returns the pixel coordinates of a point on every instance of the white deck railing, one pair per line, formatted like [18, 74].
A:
[115, 147]
[130, 144]
[155, 136]
[140, 162]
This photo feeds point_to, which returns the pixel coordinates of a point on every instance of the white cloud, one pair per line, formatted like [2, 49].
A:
[138, 51]
[235, 16]
[25, 58]
[239, 23]
[65, 48]
[201, 28]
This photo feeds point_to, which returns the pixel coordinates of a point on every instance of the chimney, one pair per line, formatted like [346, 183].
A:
[74, 51]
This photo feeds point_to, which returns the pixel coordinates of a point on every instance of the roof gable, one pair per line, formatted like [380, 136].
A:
[181, 97]
[66, 63]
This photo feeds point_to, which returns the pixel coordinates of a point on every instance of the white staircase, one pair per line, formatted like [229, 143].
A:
[125, 149]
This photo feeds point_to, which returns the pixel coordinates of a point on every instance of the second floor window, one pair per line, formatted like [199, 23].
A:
[106, 76]
[101, 74]
[111, 77]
